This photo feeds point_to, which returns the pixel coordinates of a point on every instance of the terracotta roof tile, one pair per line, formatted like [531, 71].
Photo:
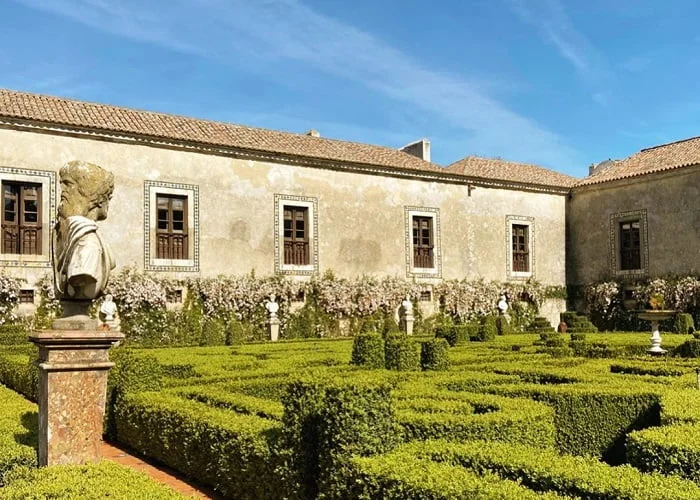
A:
[655, 159]
[71, 113]
[495, 169]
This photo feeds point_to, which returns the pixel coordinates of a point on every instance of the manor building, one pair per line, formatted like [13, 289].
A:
[202, 198]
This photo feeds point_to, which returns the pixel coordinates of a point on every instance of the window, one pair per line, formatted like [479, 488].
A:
[630, 245]
[296, 235]
[21, 218]
[173, 296]
[425, 296]
[171, 237]
[26, 296]
[171, 229]
[423, 242]
[521, 248]
[629, 249]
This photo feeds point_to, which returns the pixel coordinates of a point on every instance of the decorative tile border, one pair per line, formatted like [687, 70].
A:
[47, 179]
[192, 193]
[411, 272]
[615, 220]
[312, 204]
[527, 221]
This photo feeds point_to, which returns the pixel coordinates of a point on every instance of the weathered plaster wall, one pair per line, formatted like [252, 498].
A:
[360, 217]
[673, 224]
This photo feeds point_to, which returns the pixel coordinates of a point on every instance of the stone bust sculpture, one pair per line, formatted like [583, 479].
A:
[272, 306]
[108, 308]
[82, 260]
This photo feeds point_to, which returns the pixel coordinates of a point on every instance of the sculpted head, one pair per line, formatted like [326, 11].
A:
[85, 190]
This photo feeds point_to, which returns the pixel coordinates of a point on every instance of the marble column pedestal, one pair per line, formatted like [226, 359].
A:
[73, 368]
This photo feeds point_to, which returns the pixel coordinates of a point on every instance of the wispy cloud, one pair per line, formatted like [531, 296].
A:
[262, 33]
[556, 28]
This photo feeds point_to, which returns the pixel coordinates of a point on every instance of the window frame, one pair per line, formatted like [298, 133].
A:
[529, 223]
[46, 181]
[433, 215]
[311, 206]
[616, 222]
[190, 192]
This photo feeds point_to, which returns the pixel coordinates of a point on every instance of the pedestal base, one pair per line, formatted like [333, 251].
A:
[73, 368]
[273, 329]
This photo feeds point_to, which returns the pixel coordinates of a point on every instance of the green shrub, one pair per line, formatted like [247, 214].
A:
[653, 370]
[401, 476]
[90, 482]
[556, 352]
[487, 329]
[670, 449]
[220, 396]
[551, 339]
[459, 416]
[13, 334]
[401, 353]
[434, 355]
[130, 374]
[310, 322]
[683, 323]
[688, 349]
[19, 372]
[545, 470]
[604, 350]
[368, 350]
[593, 421]
[447, 332]
[18, 433]
[578, 337]
[235, 454]
[213, 332]
[680, 407]
[503, 325]
[326, 423]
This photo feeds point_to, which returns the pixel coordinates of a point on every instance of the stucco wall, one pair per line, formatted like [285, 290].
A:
[361, 218]
[670, 200]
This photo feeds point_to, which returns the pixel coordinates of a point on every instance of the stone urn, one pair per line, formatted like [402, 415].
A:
[655, 316]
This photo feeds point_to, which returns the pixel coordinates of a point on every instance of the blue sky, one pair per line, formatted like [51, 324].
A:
[558, 83]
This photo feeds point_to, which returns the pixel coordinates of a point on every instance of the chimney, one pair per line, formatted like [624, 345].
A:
[313, 133]
[600, 167]
[419, 148]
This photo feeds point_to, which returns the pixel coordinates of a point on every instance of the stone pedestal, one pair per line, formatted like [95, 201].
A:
[655, 316]
[273, 329]
[408, 323]
[73, 368]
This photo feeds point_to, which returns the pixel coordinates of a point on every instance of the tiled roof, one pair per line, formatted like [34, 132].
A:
[656, 159]
[495, 169]
[113, 119]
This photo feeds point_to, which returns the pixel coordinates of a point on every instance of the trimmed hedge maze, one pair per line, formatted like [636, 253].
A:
[21, 480]
[404, 418]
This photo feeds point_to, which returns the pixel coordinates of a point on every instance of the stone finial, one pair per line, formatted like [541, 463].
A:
[82, 260]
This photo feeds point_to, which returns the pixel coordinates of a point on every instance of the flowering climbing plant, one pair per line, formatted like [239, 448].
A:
[9, 298]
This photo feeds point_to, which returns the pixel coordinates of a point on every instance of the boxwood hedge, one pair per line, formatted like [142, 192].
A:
[235, 454]
[545, 470]
[670, 449]
[86, 482]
